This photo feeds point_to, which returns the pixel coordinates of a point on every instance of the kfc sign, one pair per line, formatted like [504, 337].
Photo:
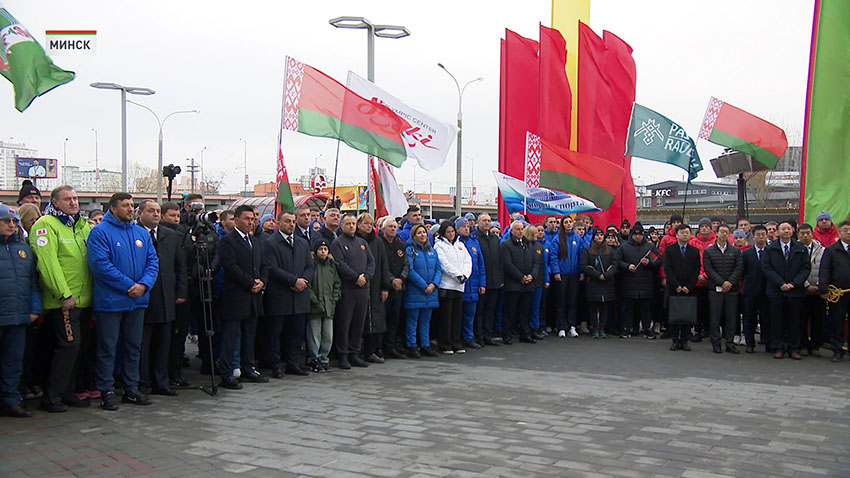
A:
[663, 193]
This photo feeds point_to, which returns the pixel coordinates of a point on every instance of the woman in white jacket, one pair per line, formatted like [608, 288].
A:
[457, 266]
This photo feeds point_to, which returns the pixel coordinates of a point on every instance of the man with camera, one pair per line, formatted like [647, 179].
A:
[245, 277]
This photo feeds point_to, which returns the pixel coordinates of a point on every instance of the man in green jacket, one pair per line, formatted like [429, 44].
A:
[59, 241]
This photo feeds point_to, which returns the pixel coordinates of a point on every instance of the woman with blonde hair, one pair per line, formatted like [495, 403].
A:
[28, 213]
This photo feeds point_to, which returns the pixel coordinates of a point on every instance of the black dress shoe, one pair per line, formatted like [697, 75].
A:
[344, 364]
[413, 352]
[253, 375]
[429, 352]
[675, 346]
[471, 345]
[135, 397]
[374, 358]
[50, 406]
[836, 357]
[230, 383]
[297, 371]
[492, 342]
[393, 354]
[74, 402]
[732, 349]
[537, 336]
[686, 347]
[356, 361]
[527, 339]
[750, 349]
[697, 338]
[16, 411]
[506, 341]
[180, 382]
[277, 373]
[716, 349]
[168, 392]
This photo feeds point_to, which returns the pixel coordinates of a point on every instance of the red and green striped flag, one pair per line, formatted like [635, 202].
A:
[316, 104]
[734, 128]
[584, 175]
[24, 63]
[826, 149]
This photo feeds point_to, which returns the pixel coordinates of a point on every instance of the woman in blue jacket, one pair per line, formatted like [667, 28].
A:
[21, 299]
[420, 297]
[565, 266]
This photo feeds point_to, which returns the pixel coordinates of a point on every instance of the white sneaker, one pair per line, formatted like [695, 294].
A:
[573, 332]
[562, 334]
[448, 352]
[237, 373]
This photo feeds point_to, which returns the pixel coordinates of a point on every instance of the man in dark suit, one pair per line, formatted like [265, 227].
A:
[681, 270]
[241, 259]
[302, 223]
[756, 308]
[723, 266]
[786, 267]
[169, 290]
[287, 298]
[835, 271]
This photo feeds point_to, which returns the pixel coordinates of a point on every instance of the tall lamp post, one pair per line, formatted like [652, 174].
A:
[133, 90]
[459, 178]
[372, 31]
[96, 168]
[161, 123]
[202, 169]
[245, 163]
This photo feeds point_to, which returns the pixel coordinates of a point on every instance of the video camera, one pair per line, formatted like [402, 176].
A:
[200, 221]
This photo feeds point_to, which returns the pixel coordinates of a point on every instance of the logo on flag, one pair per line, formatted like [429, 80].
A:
[649, 129]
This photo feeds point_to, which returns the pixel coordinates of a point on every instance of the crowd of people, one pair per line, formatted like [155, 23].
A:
[103, 302]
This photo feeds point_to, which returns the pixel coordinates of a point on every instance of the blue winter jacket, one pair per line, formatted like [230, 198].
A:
[20, 294]
[478, 277]
[120, 255]
[424, 270]
[571, 264]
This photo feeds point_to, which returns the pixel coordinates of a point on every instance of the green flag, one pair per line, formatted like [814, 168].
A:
[24, 63]
[654, 137]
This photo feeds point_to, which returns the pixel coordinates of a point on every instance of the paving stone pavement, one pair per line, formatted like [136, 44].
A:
[562, 407]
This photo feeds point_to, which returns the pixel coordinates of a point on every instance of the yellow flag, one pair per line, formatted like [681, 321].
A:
[565, 17]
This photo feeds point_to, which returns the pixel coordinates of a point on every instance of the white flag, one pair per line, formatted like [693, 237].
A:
[388, 194]
[428, 140]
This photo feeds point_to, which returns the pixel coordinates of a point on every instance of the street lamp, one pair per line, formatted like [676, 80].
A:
[202, 169]
[372, 31]
[460, 91]
[159, 154]
[96, 168]
[133, 90]
[245, 163]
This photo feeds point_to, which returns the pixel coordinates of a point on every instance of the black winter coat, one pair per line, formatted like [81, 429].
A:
[834, 268]
[520, 259]
[778, 271]
[637, 284]
[493, 266]
[721, 267]
[594, 266]
[353, 257]
[376, 319]
[286, 264]
[171, 280]
[396, 258]
[241, 264]
[755, 283]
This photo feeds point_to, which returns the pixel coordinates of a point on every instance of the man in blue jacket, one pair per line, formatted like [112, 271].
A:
[124, 267]
[21, 299]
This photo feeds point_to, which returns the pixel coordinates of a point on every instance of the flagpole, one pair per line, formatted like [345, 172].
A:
[277, 206]
[336, 167]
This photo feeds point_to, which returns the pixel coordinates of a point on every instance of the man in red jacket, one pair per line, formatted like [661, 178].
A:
[825, 231]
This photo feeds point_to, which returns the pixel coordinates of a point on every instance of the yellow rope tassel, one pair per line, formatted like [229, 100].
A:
[835, 293]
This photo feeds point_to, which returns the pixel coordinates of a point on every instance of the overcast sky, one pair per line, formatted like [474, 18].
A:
[226, 59]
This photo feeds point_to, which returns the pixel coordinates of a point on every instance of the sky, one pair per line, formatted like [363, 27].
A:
[226, 59]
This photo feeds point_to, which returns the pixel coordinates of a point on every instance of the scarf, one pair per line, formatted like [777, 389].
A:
[64, 218]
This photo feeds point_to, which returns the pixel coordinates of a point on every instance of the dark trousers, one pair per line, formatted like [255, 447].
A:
[118, 329]
[12, 340]
[284, 338]
[395, 324]
[785, 323]
[179, 330]
[67, 339]
[636, 311]
[756, 310]
[485, 313]
[229, 331]
[153, 363]
[702, 324]
[680, 333]
[723, 310]
[837, 316]
[811, 322]
[551, 297]
[598, 315]
[349, 319]
[449, 317]
[515, 314]
[567, 302]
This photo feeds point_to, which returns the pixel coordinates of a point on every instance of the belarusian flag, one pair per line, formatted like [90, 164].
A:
[584, 175]
[655, 137]
[316, 104]
[389, 200]
[24, 63]
[284, 192]
[734, 128]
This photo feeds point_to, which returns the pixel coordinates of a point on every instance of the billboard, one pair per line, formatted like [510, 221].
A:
[36, 168]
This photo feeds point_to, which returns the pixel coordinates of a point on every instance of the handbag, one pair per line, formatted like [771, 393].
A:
[683, 310]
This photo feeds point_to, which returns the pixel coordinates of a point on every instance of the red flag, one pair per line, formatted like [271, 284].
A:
[622, 75]
[519, 111]
[555, 97]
